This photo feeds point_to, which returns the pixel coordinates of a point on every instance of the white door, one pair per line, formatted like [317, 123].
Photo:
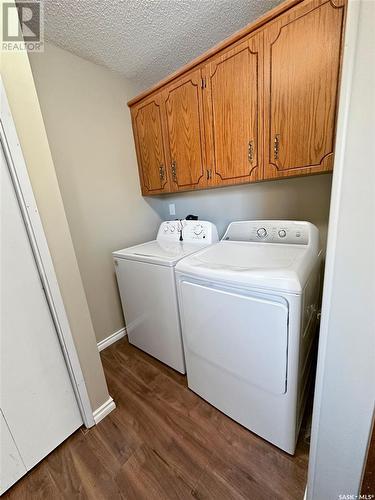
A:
[11, 465]
[37, 397]
[244, 336]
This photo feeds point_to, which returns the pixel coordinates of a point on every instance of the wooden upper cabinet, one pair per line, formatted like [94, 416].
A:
[232, 99]
[260, 106]
[148, 134]
[301, 68]
[185, 132]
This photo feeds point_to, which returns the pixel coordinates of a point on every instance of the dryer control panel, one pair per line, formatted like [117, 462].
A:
[192, 231]
[272, 231]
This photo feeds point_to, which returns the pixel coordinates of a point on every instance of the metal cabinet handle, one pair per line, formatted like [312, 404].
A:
[250, 151]
[161, 172]
[209, 174]
[174, 170]
[276, 143]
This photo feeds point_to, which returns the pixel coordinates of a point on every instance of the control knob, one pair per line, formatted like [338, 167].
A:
[282, 233]
[198, 229]
[262, 232]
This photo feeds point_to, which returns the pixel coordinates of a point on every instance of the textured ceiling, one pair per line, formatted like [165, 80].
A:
[145, 40]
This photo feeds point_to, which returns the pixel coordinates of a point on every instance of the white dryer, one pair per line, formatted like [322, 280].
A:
[146, 280]
[248, 308]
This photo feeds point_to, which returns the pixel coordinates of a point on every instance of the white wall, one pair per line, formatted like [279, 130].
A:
[345, 389]
[89, 131]
[304, 198]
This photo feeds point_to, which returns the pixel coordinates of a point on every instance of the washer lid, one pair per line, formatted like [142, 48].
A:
[271, 266]
[164, 253]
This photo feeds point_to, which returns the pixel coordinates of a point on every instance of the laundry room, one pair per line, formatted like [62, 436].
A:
[187, 249]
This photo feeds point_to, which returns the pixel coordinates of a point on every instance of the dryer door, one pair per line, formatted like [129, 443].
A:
[244, 335]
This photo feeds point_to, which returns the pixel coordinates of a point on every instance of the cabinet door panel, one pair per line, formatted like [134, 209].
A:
[302, 62]
[148, 133]
[184, 132]
[232, 100]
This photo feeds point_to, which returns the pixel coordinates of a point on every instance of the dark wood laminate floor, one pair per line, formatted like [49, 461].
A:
[163, 442]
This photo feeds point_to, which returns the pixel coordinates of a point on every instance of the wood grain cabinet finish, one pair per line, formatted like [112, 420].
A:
[147, 119]
[232, 96]
[301, 68]
[260, 106]
[184, 133]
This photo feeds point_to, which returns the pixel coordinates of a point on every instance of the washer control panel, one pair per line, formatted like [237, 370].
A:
[270, 231]
[192, 231]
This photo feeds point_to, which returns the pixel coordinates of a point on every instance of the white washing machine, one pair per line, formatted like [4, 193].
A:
[248, 308]
[146, 280]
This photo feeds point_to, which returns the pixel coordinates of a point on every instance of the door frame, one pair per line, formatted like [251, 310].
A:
[360, 417]
[33, 224]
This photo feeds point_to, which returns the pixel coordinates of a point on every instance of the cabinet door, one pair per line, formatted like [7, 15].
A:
[301, 68]
[184, 132]
[148, 135]
[232, 98]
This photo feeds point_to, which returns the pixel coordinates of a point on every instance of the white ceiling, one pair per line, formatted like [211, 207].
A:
[145, 40]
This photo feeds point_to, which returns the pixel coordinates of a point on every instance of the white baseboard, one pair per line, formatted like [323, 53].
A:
[111, 339]
[104, 410]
